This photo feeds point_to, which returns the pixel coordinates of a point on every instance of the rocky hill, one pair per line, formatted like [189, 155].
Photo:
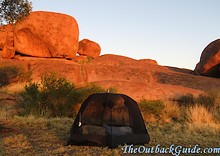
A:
[136, 78]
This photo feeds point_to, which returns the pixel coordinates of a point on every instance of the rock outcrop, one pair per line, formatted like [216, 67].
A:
[89, 48]
[209, 64]
[150, 61]
[8, 48]
[3, 35]
[35, 46]
[132, 77]
[56, 35]
[42, 34]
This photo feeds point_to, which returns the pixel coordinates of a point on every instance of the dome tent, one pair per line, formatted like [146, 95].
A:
[107, 119]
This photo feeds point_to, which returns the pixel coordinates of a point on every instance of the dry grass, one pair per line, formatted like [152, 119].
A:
[40, 136]
[204, 128]
[149, 118]
[200, 114]
[13, 88]
[171, 112]
[7, 109]
[17, 141]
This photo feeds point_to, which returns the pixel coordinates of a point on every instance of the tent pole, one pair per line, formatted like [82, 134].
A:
[110, 115]
[111, 124]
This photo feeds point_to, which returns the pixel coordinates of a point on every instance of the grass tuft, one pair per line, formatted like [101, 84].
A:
[151, 110]
[200, 114]
[17, 141]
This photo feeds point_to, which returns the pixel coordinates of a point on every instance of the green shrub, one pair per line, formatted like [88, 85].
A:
[9, 74]
[84, 92]
[54, 97]
[50, 98]
[152, 107]
[112, 90]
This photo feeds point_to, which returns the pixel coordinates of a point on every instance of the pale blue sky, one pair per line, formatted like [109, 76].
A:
[173, 32]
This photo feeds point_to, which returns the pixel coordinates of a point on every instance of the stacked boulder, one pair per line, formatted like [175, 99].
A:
[43, 34]
[89, 48]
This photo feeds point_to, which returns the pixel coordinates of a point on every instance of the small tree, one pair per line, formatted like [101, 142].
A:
[12, 11]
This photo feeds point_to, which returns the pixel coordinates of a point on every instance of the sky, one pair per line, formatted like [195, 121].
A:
[172, 32]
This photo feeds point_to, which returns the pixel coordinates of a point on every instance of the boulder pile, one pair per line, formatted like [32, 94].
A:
[45, 34]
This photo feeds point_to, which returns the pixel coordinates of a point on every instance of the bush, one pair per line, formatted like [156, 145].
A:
[208, 101]
[152, 107]
[10, 74]
[188, 100]
[84, 92]
[54, 97]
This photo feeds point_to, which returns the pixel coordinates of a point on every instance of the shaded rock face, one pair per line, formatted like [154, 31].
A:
[209, 64]
[43, 34]
[89, 48]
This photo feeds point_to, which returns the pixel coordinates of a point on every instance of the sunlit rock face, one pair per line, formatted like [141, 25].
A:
[45, 34]
[7, 40]
[89, 48]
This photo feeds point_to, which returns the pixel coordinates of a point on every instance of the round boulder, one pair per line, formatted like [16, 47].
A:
[209, 64]
[89, 48]
[47, 34]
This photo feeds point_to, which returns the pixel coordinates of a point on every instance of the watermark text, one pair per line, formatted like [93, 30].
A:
[174, 150]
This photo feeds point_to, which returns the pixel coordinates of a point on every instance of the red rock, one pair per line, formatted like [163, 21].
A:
[3, 35]
[89, 48]
[0, 53]
[46, 34]
[128, 76]
[8, 48]
[28, 44]
[82, 59]
[209, 64]
[8, 52]
[150, 61]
